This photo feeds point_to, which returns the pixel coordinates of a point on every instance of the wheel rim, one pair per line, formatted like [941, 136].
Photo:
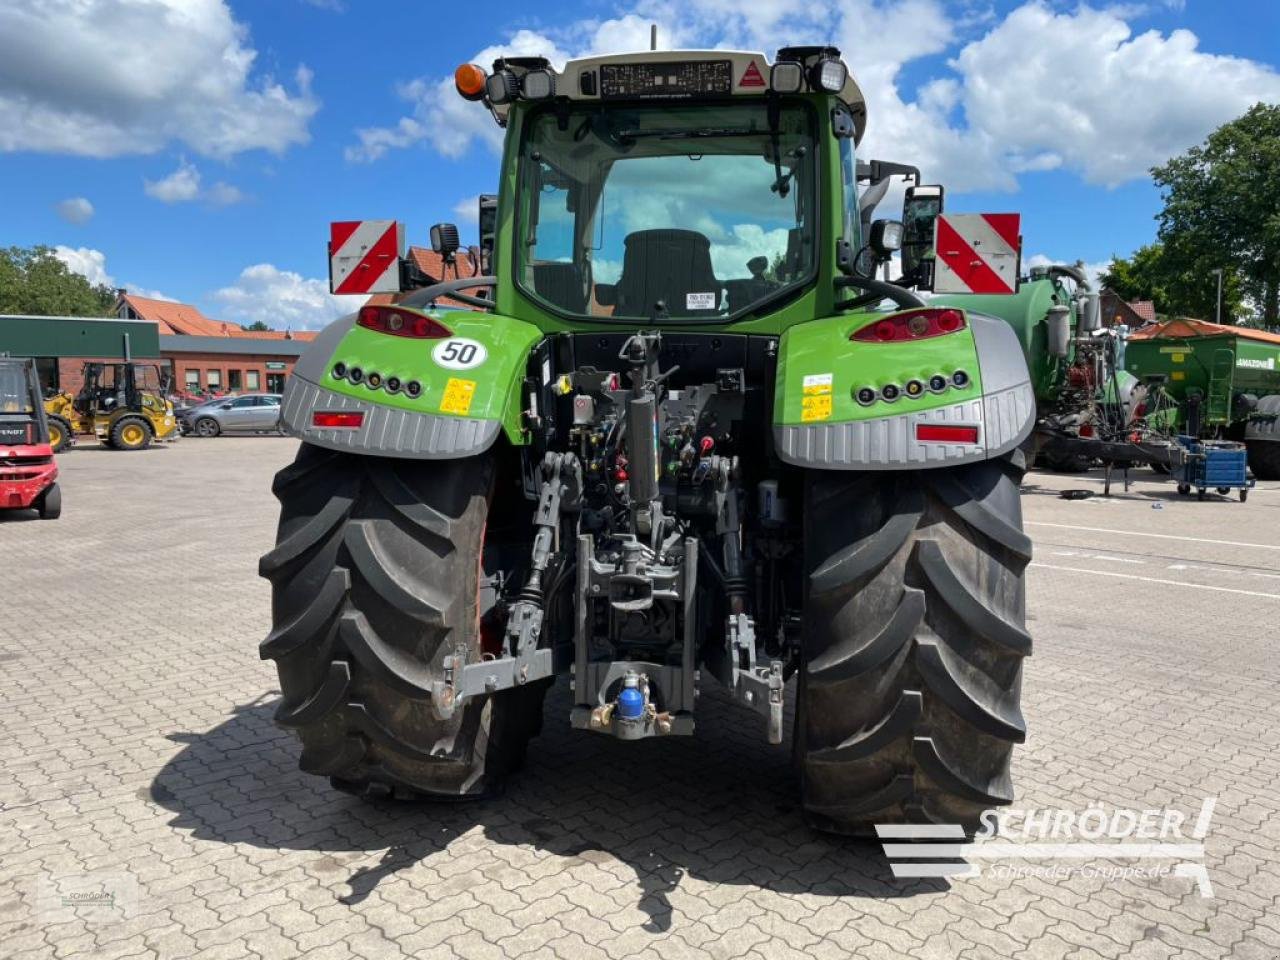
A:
[205, 428]
[131, 435]
[55, 436]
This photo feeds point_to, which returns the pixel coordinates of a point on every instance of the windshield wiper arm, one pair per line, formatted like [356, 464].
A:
[686, 134]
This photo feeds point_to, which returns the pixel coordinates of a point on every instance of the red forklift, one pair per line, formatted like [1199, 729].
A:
[28, 473]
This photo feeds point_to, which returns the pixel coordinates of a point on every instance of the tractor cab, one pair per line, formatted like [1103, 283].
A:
[27, 470]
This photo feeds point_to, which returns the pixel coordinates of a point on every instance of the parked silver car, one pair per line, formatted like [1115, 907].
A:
[248, 413]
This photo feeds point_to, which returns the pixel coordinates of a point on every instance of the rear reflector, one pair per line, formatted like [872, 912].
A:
[321, 419]
[945, 433]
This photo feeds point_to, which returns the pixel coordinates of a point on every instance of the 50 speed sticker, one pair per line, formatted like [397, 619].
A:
[459, 353]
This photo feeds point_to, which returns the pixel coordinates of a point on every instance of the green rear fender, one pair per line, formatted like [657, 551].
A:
[455, 393]
[974, 380]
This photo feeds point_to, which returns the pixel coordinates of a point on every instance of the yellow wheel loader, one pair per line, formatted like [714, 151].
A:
[123, 404]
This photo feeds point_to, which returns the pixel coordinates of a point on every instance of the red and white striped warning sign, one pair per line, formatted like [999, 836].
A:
[976, 253]
[364, 256]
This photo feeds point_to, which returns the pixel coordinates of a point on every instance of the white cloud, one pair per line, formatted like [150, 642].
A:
[224, 195]
[282, 299]
[729, 256]
[178, 187]
[1079, 90]
[467, 210]
[75, 210]
[1035, 90]
[92, 265]
[89, 263]
[183, 186]
[107, 78]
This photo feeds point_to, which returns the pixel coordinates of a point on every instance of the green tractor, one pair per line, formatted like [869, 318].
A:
[672, 439]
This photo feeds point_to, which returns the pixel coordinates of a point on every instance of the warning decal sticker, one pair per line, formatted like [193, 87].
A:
[751, 77]
[816, 403]
[457, 396]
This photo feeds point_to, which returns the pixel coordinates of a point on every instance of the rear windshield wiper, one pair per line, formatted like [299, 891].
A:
[710, 133]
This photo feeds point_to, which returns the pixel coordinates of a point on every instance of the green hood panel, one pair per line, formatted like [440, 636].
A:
[475, 373]
[820, 369]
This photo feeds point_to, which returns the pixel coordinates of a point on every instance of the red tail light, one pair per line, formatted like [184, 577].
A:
[323, 419]
[400, 322]
[912, 325]
[946, 433]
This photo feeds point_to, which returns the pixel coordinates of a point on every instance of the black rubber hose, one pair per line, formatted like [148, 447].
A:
[452, 288]
[899, 295]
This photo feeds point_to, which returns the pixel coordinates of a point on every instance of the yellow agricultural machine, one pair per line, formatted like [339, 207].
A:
[123, 404]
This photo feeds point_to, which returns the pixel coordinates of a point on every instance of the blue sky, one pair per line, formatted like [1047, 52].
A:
[214, 140]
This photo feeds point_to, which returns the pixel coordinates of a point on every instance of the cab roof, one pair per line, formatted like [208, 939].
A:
[737, 72]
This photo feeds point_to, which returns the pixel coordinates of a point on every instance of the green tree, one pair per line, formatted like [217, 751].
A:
[1139, 277]
[1222, 210]
[257, 325]
[1180, 282]
[34, 281]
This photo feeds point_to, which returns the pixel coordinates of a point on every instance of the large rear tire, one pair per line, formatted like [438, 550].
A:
[375, 578]
[913, 645]
[1264, 459]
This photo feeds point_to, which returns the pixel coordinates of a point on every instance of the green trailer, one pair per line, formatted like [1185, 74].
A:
[1225, 380]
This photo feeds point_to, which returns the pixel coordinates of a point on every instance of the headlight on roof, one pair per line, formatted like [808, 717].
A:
[538, 85]
[828, 76]
[501, 87]
[786, 77]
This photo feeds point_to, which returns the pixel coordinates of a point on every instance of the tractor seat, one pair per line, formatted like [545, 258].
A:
[671, 266]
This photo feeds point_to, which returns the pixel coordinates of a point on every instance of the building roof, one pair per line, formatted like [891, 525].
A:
[182, 319]
[1146, 309]
[303, 335]
[466, 263]
[1182, 329]
[1133, 313]
[173, 317]
[170, 343]
[100, 337]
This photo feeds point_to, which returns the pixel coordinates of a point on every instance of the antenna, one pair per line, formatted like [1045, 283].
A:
[653, 36]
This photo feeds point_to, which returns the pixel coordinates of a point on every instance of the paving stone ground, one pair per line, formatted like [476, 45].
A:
[149, 808]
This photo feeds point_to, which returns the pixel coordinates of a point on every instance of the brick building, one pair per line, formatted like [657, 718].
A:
[213, 356]
[62, 345]
[234, 364]
[1134, 314]
[201, 355]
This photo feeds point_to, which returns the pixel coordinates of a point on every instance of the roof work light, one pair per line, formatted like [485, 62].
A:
[538, 85]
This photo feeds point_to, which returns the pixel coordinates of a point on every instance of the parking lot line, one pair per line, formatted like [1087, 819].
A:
[1174, 583]
[1142, 533]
